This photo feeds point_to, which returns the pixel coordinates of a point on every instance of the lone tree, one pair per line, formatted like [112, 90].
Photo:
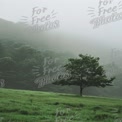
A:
[85, 72]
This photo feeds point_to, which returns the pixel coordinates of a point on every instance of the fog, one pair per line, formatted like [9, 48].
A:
[67, 27]
[75, 32]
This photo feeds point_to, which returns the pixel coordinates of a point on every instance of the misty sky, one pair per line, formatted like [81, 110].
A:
[73, 17]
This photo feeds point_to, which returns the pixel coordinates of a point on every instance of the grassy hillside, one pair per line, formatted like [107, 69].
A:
[34, 106]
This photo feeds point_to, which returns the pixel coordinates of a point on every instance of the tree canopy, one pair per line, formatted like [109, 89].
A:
[85, 71]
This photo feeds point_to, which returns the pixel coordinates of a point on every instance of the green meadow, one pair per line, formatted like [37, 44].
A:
[36, 106]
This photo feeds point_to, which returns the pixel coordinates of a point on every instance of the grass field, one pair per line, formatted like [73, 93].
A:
[33, 106]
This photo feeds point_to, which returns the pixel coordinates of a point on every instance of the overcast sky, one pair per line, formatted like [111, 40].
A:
[73, 17]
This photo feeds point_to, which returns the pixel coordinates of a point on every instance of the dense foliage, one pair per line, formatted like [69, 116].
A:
[85, 72]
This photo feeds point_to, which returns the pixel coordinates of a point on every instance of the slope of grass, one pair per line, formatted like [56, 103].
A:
[34, 106]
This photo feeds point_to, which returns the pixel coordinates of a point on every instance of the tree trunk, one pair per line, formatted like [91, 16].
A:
[81, 91]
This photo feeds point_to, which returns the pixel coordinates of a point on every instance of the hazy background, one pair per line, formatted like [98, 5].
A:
[73, 17]
[75, 34]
